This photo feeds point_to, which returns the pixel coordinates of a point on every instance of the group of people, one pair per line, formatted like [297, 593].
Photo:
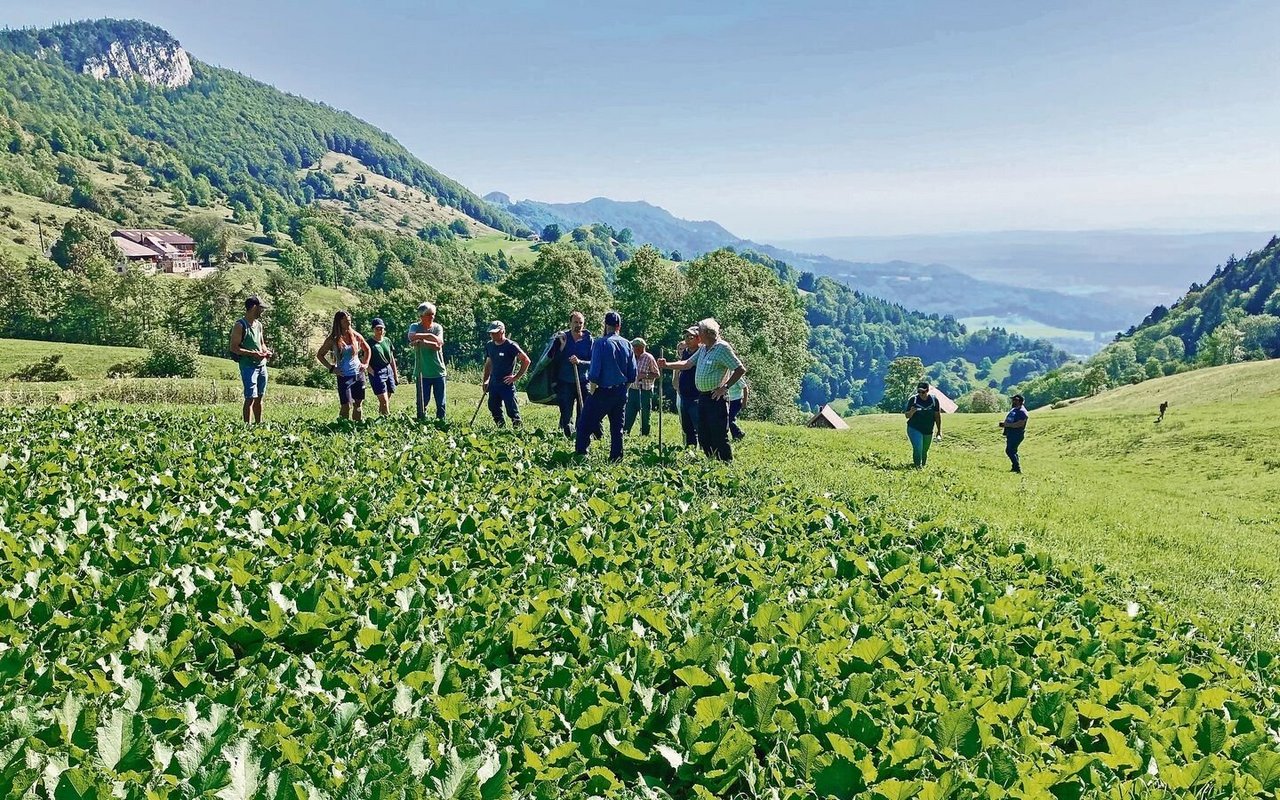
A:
[924, 417]
[599, 378]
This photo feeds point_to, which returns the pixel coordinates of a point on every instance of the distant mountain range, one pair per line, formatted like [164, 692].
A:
[1148, 266]
[931, 287]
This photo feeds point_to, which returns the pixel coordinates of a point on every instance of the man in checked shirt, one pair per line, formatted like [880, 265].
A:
[640, 393]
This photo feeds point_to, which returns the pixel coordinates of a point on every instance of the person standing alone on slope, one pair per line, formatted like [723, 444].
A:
[923, 413]
[1015, 427]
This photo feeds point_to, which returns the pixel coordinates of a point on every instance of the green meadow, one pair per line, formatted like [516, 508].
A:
[396, 609]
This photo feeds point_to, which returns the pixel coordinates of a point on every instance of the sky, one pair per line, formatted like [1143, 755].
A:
[788, 120]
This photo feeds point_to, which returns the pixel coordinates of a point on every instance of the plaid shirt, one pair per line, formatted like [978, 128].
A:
[712, 364]
[647, 373]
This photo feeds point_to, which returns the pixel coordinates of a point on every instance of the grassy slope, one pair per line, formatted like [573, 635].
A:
[1253, 381]
[1186, 507]
[92, 361]
[386, 212]
[517, 250]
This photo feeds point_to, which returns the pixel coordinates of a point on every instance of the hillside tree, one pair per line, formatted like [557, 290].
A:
[538, 296]
[900, 382]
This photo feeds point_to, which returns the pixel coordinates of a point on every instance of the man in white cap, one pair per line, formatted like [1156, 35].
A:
[426, 337]
[640, 393]
[717, 368]
[505, 362]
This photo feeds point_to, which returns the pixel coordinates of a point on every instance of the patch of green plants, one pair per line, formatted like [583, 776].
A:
[395, 610]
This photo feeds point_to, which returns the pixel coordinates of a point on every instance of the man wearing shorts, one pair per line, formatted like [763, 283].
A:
[384, 373]
[249, 348]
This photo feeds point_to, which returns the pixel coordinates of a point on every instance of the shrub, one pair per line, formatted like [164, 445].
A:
[315, 377]
[171, 357]
[47, 370]
[125, 369]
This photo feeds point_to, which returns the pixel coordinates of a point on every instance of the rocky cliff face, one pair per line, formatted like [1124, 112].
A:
[158, 63]
[107, 48]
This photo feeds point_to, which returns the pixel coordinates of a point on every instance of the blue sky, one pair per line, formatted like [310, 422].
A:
[790, 120]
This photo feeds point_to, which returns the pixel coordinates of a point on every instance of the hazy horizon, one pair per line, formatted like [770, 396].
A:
[815, 120]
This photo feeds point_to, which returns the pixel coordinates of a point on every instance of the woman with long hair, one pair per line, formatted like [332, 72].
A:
[346, 354]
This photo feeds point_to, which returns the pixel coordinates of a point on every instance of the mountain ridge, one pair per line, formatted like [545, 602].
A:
[932, 288]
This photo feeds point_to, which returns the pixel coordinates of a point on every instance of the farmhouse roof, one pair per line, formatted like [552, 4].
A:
[131, 249]
[165, 236]
[828, 418]
[947, 405]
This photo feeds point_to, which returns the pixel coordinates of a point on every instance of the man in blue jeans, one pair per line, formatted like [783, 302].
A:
[1015, 428]
[923, 413]
[613, 368]
[502, 355]
[426, 337]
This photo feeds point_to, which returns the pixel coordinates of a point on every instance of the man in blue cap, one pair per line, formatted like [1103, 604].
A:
[613, 368]
[384, 372]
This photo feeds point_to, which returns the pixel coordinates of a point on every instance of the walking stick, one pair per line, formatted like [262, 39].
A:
[660, 408]
[483, 391]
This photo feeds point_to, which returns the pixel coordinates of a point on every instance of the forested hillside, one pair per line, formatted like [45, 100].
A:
[222, 132]
[1233, 317]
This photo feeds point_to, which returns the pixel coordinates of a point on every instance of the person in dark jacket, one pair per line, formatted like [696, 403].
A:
[1015, 428]
[613, 368]
[687, 388]
[571, 354]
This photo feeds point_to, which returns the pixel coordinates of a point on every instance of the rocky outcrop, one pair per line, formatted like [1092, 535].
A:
[158, 63]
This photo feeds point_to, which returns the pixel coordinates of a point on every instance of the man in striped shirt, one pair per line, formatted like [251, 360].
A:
[716, 368]
[640, 393]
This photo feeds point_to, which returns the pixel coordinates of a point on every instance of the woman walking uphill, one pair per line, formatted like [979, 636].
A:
[346, 354]
[923, 413]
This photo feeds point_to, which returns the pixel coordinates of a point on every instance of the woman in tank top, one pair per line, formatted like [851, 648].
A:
[345, 353]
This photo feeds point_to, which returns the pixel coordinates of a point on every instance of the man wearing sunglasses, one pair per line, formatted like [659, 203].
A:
[923, 415]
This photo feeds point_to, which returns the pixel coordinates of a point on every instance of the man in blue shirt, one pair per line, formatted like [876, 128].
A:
[613, 368]
[572, 355]
[1015, 427]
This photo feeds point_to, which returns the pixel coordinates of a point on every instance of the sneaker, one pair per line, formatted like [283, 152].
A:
[515, 423]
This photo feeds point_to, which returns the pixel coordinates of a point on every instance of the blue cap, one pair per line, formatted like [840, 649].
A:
[613, 319]
[377, 323]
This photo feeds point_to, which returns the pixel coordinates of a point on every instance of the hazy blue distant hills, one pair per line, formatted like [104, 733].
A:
[1147, 266]
[648, 223]
[931, 286]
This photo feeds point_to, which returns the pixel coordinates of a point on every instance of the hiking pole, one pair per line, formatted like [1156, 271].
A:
[577, 384]
[483, 391]
[660, 408]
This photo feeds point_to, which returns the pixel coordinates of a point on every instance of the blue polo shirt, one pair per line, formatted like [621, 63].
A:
[613, 362]
[1015, 415]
